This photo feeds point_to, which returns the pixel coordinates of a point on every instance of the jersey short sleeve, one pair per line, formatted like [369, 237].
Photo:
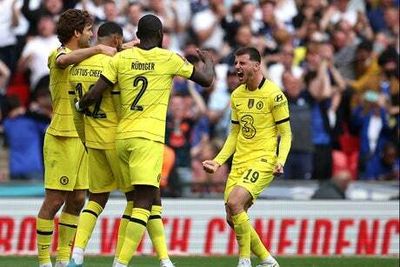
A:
[183, 67]
[111, 69]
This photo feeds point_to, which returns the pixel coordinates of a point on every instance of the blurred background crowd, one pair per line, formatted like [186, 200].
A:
[336, 60]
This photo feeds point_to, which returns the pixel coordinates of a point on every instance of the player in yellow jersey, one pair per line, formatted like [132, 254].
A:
[259, 114]
[144, 75]
[65, 178]
[97, 131]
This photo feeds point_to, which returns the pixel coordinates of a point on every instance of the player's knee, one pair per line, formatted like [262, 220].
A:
[234, 206]
[75, 204]
[53, 205]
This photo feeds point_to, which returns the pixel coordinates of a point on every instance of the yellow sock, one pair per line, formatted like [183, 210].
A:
[242, 229]
[44, 230]
[257, 246]
[122, 227]
[66, 229]
[87, 222]
[133, 234]
[155, 227]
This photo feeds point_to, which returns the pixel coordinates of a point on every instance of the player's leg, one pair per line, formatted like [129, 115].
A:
[236, 203]
[87, 222]
[255, 180]
[155, 228]
[59, 180]
[78, 166]
[68, 224]
[123, 223]
[52, 203]
[144, 197]
[102, 181]
[143, 158]
[256, 245]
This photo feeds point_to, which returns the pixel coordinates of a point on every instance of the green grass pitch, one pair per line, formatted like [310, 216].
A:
[213, 261]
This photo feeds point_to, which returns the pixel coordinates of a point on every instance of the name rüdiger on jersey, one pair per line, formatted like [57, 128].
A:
[142, 65]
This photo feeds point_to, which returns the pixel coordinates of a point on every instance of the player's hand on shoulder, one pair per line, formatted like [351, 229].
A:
[210, 166]
[130, 44]
[278, 169]
[107, 50]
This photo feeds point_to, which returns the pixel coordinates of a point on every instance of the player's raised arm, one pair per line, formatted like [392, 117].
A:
[206, 75]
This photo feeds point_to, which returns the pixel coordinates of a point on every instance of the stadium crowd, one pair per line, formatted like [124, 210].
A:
[337, 61]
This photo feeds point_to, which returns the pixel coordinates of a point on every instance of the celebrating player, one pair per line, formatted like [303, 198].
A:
[144, 75]
[65, 178]
[259, 113]
[97, 130]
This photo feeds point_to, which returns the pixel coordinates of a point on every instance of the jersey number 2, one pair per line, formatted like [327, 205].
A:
[136, 81]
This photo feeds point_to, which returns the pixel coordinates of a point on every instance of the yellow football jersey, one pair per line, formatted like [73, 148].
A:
[145, 81]
[101, 119]
[62, 123]
[258, 112]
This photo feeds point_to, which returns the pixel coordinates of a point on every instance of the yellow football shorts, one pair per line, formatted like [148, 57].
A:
[104, 171]
[65, 163]
[253, 177]
[141, 160]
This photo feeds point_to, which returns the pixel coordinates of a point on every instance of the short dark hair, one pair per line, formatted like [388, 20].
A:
[365, 45]
[149, 25]
[70, 21]
[108, 28]
[388, 55]
[251, 51]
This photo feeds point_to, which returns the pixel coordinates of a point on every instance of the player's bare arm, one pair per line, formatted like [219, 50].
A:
[93, 94]
[78, 55]
[204, 76]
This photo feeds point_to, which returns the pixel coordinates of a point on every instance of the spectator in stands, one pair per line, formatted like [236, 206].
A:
[179, 131]
[371, 120]
[286, 63]
[94, 7]
[52, 8]
[9, 19]
[300, 159]
[134, 13]
[345, 47]
[269, 26]
[206, 25]
[243, 37]
[320, 92]
[383, 166]
[112, 12]
[218, 111]
[365, 65]
[376, 15]
[35, 54]
[335, 188]
[24, 134]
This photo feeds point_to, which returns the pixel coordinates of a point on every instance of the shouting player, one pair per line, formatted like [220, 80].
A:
[259, 113]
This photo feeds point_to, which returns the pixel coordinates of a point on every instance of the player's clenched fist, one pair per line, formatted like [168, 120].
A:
[210, 166]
